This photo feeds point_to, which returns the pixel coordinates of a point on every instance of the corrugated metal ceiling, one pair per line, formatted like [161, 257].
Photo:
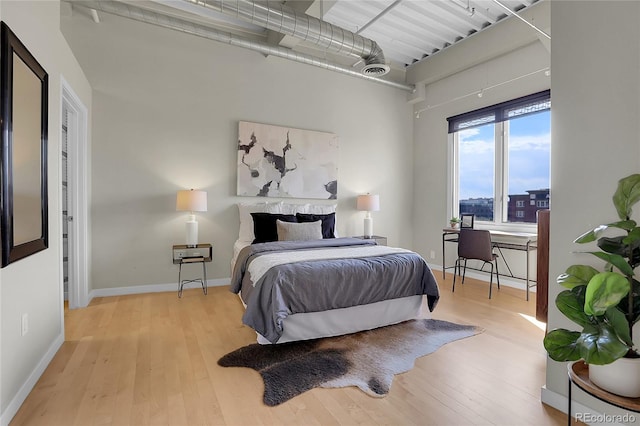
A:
[411, 30]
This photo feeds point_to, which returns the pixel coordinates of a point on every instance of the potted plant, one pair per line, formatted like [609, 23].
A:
[454, 221]
[606, 304]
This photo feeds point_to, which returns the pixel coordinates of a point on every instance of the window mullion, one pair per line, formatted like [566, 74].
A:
[498, 175]
[453, 183]
[504, 168]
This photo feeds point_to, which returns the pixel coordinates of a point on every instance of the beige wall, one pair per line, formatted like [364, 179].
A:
[33, 285]
[595, 88]
[166, 111]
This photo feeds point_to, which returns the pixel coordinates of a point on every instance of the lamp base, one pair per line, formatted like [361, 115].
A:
[368, 227]
[192, 232]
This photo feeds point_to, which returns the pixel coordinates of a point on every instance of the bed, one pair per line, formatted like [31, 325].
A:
[303, 288]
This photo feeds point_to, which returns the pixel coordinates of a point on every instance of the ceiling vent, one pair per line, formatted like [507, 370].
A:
[375, 69]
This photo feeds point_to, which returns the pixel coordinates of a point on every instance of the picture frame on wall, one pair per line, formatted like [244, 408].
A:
[277, 161]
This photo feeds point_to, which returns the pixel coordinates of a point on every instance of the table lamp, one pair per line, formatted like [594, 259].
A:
[369, 203]
[191, 201]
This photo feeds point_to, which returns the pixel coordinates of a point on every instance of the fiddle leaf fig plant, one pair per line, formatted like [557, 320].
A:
[606, 304]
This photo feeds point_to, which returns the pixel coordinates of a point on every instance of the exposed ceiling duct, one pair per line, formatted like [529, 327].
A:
[283, 19]
[131, 11]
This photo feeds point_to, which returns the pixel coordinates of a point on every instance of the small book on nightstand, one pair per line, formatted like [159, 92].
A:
[377, 238]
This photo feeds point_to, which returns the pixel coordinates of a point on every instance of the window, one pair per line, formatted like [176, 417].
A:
[501, 159]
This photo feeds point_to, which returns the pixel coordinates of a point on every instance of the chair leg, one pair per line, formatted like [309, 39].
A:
[490, 280]
[455, 270]
[497, 275]
[464, 270]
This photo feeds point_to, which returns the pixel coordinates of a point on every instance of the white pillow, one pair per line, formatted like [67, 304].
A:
[320, 208]
[288, 208]
[246, 221]
[293, 231]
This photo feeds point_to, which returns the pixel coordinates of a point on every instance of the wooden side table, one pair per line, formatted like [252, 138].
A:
[183, 254]
[579, 376]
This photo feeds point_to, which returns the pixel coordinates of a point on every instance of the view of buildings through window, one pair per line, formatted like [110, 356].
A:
[508, 161]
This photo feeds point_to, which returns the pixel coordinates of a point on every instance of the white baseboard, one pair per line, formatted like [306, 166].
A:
[585, 414]
[151, 288]
[31, 381]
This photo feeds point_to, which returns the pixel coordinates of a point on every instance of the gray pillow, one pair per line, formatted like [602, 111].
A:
[292, 231]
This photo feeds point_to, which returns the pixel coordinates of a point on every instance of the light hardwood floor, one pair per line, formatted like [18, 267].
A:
[152, 359]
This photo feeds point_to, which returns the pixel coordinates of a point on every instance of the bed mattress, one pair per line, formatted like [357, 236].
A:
[283, 282]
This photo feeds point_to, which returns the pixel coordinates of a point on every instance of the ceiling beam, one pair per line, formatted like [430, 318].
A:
[379, 15]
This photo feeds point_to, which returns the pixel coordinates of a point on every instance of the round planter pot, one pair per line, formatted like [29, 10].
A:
[621, 377]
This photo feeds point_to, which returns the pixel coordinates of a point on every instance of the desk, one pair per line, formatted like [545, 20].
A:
[519, 241]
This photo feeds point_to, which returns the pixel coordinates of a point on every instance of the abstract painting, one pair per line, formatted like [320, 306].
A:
[275, 161]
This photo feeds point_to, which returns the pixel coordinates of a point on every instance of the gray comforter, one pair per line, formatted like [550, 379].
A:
[324, 284]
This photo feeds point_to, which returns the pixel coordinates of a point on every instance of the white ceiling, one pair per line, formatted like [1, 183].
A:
[408, 31]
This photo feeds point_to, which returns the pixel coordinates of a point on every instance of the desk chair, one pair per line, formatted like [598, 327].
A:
[475, 244]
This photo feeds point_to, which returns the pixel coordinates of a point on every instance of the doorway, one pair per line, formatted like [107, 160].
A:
[73, 142]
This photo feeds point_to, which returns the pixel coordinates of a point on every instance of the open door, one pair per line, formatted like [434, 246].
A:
[74, 199]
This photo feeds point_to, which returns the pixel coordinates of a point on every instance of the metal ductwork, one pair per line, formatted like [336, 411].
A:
[280, 18]
[130, 11]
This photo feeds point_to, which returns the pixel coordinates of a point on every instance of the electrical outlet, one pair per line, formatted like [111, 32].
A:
[432, 254]
[25, 324]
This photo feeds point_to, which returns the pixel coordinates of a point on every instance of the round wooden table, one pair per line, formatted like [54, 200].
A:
[579, 376]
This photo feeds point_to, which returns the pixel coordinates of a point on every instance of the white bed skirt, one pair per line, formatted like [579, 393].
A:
[313, 325]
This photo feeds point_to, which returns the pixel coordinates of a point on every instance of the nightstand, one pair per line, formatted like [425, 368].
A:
[183, 255]
[377, 238]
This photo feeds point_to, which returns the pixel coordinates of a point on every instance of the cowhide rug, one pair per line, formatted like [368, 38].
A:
[368, 359]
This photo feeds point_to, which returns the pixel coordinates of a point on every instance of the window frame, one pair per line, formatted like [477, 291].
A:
[501, 166]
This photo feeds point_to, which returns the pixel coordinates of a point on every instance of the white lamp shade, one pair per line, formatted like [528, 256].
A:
[370, 203]
[191, 201]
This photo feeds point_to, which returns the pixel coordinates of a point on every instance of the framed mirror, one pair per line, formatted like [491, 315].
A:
[23, 160]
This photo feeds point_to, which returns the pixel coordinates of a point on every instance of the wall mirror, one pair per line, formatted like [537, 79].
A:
[23, 162]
